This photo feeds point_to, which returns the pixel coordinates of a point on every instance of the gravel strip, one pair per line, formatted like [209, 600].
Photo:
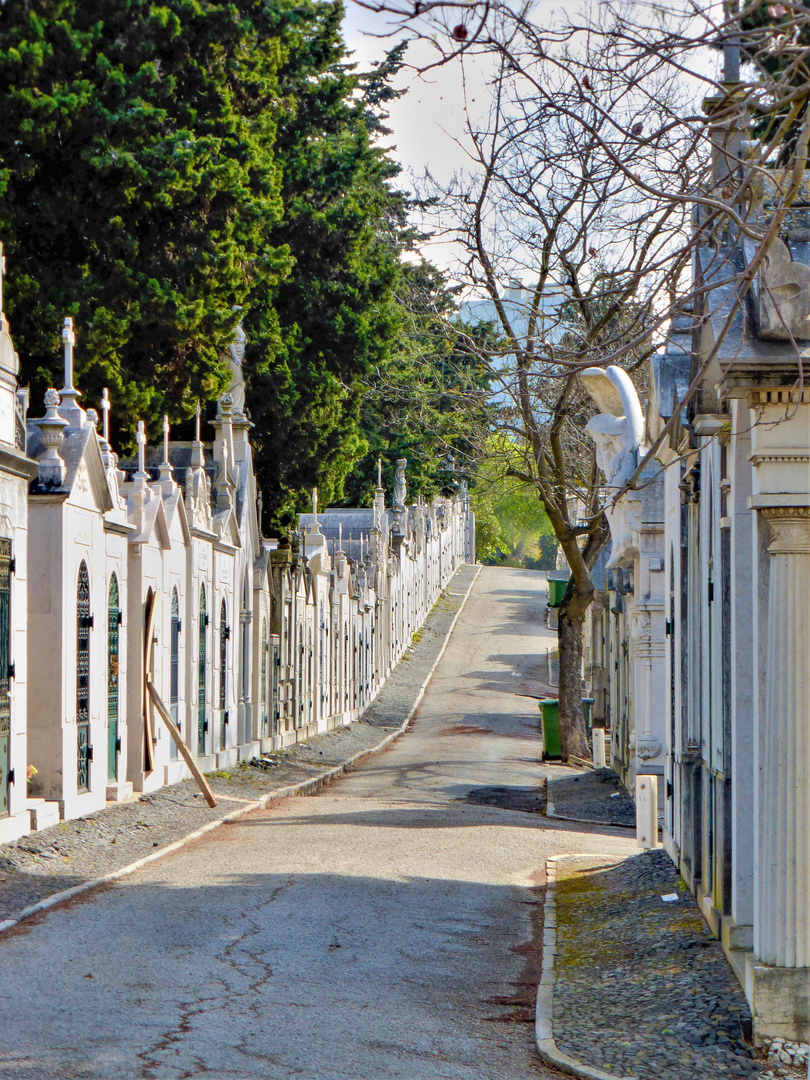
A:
[642, 988]
[73, 852]
[595, 795]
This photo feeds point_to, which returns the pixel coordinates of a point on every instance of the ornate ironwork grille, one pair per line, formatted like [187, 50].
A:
[264, 674]
[113, 631]
[202, 723]
[174, 680]
[83, 624]
[5, 670]
[275, 711]
[224, 634]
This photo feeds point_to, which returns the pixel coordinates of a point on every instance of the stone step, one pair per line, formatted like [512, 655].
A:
[43, 814]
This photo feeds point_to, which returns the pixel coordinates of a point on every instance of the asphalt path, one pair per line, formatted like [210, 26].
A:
[388, 927]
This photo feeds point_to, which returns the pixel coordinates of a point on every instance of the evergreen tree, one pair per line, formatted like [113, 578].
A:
[345, 225]
[430, 403]
[139, 190]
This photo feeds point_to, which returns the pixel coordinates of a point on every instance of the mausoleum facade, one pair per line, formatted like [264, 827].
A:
[153, 573]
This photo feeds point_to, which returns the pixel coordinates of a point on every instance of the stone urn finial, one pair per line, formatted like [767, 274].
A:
[51, 433]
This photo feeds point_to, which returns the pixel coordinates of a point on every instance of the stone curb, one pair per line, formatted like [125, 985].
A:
[304, 787]
[551, 812]
[547, 1048]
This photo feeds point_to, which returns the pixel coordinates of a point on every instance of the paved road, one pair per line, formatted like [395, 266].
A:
[383, 929]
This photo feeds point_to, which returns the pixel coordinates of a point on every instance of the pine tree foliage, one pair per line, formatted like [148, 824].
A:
[139, 190]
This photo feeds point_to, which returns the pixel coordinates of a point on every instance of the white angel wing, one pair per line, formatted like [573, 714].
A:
[614, 394]
[603, 390]
[631, 407]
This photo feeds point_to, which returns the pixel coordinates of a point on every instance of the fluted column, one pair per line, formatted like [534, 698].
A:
[782, 918]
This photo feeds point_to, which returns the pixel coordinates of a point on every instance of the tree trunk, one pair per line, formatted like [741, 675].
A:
[570, 634]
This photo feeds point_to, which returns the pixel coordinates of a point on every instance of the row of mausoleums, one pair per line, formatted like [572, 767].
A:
[698, 649]
[252, 644]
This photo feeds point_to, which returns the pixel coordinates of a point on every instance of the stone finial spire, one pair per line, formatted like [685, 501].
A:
[379, 474]
[314, 506]
[197, 457]
[340, 535]
[105, 407]
[140, 438]
[166, 465]
[68, 340]
[71, 410]
[51, 433]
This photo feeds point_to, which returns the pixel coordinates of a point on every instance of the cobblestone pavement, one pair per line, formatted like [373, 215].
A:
[592, 796]
[642, 987]
[72, 852]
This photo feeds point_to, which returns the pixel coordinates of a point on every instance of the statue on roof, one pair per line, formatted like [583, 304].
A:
[400, 487]
[235, 359]
[618, 432]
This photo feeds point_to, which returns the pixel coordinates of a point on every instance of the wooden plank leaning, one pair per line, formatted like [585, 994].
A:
[187, 756]
[148, 656]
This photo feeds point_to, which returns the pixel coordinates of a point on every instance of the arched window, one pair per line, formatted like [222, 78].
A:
[84, 621]
[174, 680]
[202, 723]
[113, 650]
[224, 634]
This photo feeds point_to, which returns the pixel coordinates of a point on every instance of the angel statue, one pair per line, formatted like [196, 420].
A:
[399, 484]
[234, 359]
[618, 432]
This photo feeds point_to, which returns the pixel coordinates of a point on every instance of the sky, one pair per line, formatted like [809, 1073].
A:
[429, 119]
[428, 123]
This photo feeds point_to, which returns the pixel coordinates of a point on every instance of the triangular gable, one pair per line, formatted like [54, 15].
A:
[85, 476]
[174, 507]
[227, 528]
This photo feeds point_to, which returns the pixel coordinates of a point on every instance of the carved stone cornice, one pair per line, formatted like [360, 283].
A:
[780, 396]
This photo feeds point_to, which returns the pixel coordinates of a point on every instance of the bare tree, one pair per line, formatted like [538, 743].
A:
[613, 148]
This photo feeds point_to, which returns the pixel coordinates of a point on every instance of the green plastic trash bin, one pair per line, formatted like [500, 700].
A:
[550, 719]
[556, 591]
[550, 715]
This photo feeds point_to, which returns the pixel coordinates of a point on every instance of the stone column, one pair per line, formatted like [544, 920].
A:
[782, 917]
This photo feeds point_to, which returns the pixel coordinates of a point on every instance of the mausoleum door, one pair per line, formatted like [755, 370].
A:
[84, 621]
[5, 671]
[275, 712]
[113, 634]
[174, 679]
[224, 634]
[202, 722]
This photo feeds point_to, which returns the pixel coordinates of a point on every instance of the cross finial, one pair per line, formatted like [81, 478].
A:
[69, 340]
[197, 423]
[141, 440]
[165, 439]
[105, 407]
[315, 506]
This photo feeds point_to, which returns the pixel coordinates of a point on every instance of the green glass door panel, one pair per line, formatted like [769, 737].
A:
[113, 631]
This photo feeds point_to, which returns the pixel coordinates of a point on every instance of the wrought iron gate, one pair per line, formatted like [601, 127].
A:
[84, 620]
[113, 630]
[174, 687]
[202, 723]
[224, 634]
[5, 672]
